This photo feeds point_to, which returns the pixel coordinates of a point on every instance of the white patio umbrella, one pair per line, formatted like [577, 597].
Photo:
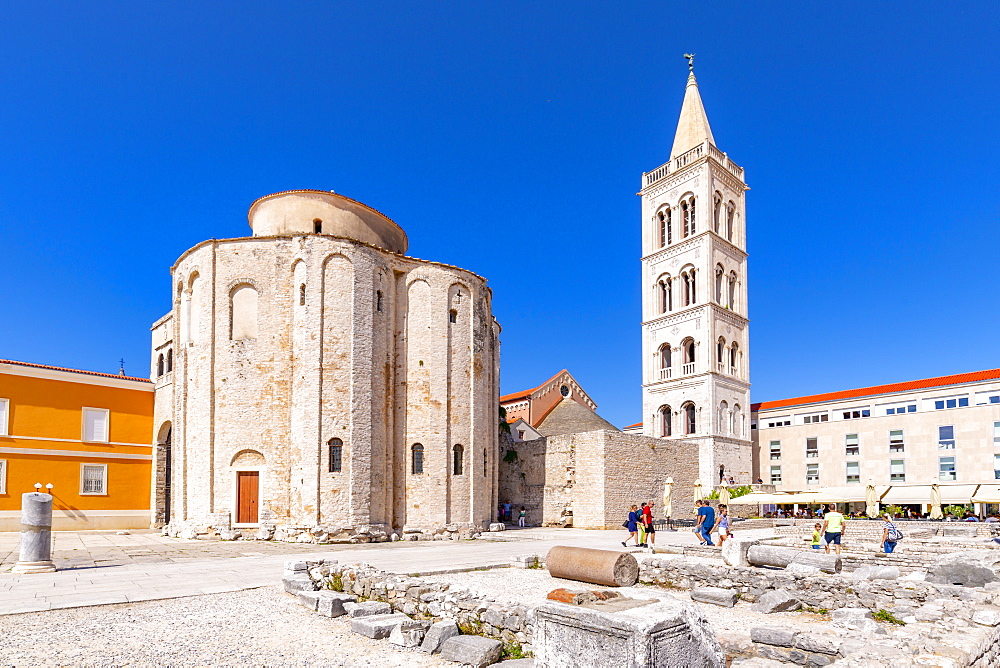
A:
[668, 501]
[871, 500]
[698, 495]
[724, 495]
[936, 512]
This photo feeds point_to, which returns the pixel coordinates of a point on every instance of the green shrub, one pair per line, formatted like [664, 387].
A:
[887, 617]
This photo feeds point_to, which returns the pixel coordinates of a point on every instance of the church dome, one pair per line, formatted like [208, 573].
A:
[321, 212]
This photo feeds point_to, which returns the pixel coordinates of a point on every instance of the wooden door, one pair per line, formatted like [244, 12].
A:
[246, 496]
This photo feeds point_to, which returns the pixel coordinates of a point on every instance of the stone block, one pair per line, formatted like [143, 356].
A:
[515, 663]
[802, 569]
[474, 651]
[437, 634]
[929, 613]
[987, 617]
[498, 526]
[773, 635]
[367, 609]
[778, 600]
[734, 551]
[296, 565]
[850, 615]
[295, 583]
[331, 603]
[409, 633]
[876, 573]
[377, 626]
[715, 595]
[308, 599]
[819, 643]
[969, 569]
[663, 632]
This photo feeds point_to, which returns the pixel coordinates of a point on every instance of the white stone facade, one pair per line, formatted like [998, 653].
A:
[943, 429]
[315, 334]
[695, 335]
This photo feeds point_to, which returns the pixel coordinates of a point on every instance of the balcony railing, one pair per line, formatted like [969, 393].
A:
[665, 373]
[686, 158]
[688, 368]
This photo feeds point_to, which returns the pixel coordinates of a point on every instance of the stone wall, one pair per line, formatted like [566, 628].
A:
[590, 479]
[425, 599]
[827, 592]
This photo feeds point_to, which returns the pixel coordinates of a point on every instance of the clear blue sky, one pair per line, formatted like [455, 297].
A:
[509, 139]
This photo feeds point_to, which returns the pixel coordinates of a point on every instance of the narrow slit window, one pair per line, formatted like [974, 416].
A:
[418, 459]
[336, 455]
[457, 453]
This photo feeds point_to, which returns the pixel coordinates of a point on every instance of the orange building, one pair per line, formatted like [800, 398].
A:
[89, 434]
[535, 404]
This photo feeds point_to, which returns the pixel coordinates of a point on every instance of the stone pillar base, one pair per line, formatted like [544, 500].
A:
[34, 567]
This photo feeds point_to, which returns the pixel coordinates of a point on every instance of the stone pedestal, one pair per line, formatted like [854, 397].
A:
[662, 632]
[36, 534]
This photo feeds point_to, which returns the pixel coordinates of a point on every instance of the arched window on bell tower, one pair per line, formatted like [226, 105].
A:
[717, 211]
[665, 418]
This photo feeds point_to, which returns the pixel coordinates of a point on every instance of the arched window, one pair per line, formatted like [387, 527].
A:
[243, 313]
[336, 455]
[302, 294]
[736, 429]
[457, 453]
[690, 293]
[664, 227]
[666, 428]
[170, 360]
[665, 294]
[734, 358]
[720, 353]
[688, 215]
[452, 315]
[720, 279]
[688, 347]
[723, 417]
[665, 361]
[717, 200]
[730, 215]
[418, 459]
[378, 300]
[732, 290]
[159, 366]
[317, 226]
[689, 418]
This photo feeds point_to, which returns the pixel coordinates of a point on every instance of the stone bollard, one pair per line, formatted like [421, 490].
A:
[604, 567]
[36, 534]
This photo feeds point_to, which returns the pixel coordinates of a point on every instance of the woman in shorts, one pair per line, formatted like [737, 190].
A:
[722, 524]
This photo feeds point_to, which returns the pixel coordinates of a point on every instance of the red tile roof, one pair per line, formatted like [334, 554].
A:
[940, 381]
[527, 393]
[637, 424]
[89, 373]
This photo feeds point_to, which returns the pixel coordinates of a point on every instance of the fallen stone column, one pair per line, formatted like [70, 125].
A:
[779, 557]
[36, 534]
[604, 567]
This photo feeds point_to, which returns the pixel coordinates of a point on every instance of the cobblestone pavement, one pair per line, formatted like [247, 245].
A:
[100, 568]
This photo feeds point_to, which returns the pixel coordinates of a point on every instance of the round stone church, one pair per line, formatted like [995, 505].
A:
[314, 375]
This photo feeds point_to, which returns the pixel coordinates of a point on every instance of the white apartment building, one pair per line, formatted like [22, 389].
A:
[944, 429]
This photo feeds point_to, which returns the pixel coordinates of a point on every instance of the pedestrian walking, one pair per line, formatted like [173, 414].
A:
[816, 535]
[647, 520]
[630, 524]
[722, 524]
[706, 520]
[890, 534]
[642, 525]
[833, 528]
[520, 516]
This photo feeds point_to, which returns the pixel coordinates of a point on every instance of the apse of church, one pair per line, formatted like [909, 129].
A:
[322, 377]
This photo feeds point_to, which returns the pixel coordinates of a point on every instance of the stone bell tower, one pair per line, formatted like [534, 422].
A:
[695, 339]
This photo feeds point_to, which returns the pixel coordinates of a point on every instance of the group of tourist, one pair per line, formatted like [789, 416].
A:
[505, 513]
[640, 526]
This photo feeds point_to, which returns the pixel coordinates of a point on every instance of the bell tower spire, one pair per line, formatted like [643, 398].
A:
[692, 128]
[695, 331]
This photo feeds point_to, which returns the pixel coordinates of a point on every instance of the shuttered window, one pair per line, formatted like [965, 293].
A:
[95, 424]
[3, 476]
[93, 479]
[4, 403]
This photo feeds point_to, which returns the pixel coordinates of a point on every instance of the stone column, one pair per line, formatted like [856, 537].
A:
[36, 534]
